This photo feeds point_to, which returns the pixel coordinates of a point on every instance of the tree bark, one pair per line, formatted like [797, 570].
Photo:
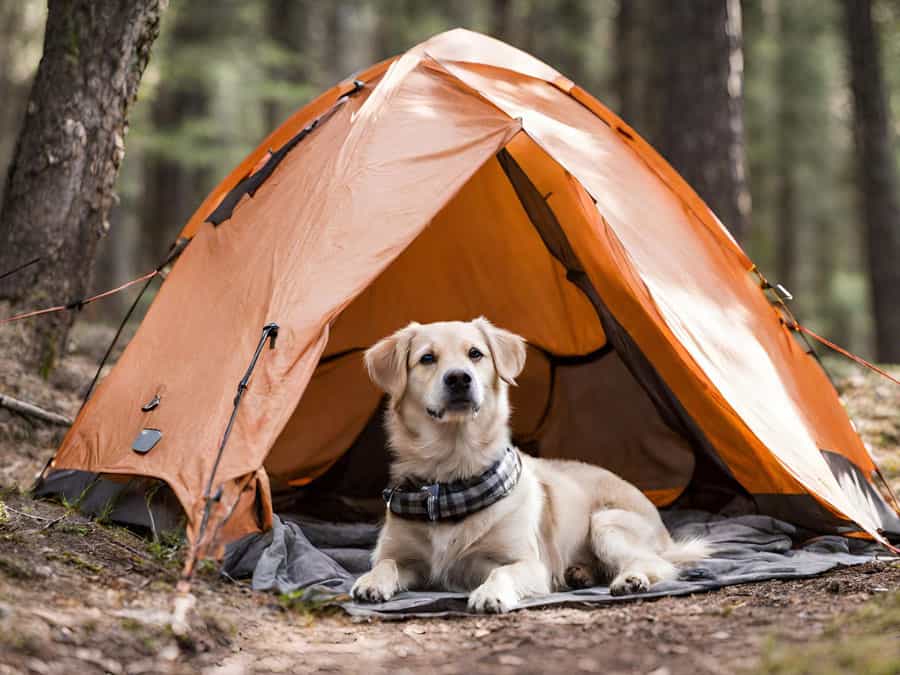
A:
[876, 176]
[702, 129]
[60, 185]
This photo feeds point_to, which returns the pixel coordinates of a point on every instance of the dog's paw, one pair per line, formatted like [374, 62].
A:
[628, 583]
[374, 587]
[580, 576]
[488, 599]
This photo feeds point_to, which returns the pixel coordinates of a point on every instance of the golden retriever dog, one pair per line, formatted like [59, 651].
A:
[468, 512]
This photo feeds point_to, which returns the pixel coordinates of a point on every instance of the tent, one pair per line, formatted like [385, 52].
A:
[463, 178]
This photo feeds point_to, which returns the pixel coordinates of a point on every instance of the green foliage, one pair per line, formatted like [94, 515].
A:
[309, 603]
[103, 516]
[166, 548]
[224, 74]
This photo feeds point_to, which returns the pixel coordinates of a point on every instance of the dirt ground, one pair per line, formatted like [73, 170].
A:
[77, 596]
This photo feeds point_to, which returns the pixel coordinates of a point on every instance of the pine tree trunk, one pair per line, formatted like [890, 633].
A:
[876, 175]
[625, 71]
[787, 132]
[11, 20]
[170, 190]
[67, 157]
[569, 36]
[286, 25]
[500, 19]
[702, 129]
[172, 187]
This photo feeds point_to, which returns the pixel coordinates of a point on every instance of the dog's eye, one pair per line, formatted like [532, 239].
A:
[427, 359]
[475, 354]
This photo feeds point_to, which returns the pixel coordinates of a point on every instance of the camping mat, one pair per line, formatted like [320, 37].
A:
[324, 559]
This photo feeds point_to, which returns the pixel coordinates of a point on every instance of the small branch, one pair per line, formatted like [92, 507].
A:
[31, 410]
[54, 522]
[28, 515]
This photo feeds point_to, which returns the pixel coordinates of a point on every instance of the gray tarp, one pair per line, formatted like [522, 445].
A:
[325, 559]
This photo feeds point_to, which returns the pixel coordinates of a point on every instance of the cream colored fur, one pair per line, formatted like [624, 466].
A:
[565, 523]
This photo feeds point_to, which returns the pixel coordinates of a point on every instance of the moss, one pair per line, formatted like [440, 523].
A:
[48, 358]
[865, 641]
[14, 570]
[76, 561]
[75, 528]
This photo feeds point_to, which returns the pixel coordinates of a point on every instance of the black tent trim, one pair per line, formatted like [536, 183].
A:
[254, 180]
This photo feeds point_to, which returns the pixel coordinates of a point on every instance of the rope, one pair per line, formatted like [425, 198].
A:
[78, 304]
[840, 350]
[19, 268]
[112, 344]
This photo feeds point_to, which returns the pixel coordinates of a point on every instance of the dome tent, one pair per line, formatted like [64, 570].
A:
[462, 178]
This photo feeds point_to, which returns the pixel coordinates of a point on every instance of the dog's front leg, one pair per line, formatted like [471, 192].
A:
[384, 580]
[508, 585]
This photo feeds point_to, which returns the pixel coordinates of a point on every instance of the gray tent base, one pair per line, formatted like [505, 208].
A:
[324, 559]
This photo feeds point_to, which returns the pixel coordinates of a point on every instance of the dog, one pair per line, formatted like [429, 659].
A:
[468, 512]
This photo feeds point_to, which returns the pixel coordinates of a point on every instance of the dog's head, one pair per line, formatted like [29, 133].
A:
[448, 373]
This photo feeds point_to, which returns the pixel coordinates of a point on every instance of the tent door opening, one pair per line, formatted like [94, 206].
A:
[587, 392]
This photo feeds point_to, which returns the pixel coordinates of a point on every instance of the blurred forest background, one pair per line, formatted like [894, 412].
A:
[225, 73]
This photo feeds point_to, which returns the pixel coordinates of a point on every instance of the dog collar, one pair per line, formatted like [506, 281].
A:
[457, 499]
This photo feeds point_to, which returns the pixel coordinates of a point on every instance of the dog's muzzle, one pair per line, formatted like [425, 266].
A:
[458, 391]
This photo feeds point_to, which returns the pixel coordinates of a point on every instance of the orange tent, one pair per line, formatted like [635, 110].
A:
[465, 178]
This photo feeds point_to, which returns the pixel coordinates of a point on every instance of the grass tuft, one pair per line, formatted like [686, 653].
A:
[309, 603]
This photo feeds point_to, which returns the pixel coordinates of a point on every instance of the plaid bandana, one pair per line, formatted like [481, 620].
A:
[458, 499]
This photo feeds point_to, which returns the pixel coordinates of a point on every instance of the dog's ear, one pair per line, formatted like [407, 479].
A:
[507, 350]
[386, 361]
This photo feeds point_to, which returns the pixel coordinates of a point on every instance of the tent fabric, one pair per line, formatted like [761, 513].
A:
[323, 560]
[464, 178]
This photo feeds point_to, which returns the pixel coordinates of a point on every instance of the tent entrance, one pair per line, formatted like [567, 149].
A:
[495, 249]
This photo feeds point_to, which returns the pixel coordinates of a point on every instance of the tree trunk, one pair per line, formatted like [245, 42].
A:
[639, 74]
[11, 20]
[172, 186]
[567, 40]
[286, 25]
[625, 71]
[702, 129]
[876, 176]
[787, 123]
[67, 157]
[500, 20]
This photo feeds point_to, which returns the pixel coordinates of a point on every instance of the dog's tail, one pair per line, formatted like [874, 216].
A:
[687, 550]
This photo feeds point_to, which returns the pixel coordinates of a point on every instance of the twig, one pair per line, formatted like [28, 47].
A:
[144, 559]
[31, 410]
[53, 522]
[30, 515]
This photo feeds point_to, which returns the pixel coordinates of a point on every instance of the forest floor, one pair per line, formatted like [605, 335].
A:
[81, 596]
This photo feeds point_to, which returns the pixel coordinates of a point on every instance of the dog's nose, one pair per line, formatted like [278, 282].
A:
[457, 381]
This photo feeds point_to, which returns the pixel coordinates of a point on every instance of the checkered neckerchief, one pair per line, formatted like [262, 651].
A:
[457, 499]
